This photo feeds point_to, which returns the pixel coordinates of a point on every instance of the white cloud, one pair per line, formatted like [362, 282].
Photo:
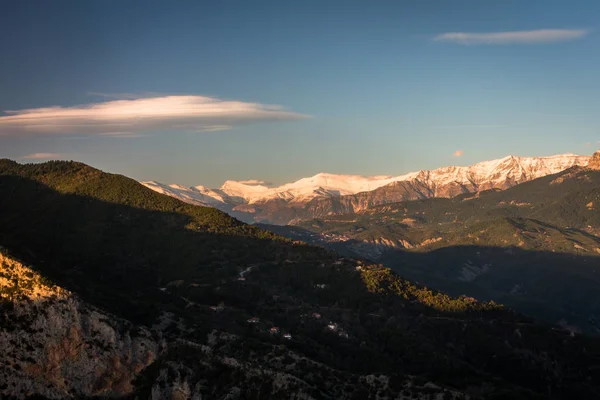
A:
[44, 156]
[458, 153]
[254, 182]
[513, 37]
[132, 117]
[468, 126]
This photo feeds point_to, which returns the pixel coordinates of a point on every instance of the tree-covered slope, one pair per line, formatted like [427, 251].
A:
[95, 229]
[239, 313]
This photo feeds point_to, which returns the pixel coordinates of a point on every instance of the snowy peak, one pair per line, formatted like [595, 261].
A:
[332, 185]
[244, 190]
[319, 185]
[442, 182]
[495, 172]
[198, 195]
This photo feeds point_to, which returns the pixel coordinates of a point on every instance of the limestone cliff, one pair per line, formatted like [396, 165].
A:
[55, 345]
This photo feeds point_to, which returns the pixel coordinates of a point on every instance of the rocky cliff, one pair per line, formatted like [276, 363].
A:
[55, 345]
[594, 162]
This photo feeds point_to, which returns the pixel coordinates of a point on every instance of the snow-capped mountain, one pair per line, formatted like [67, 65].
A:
[250, 192]
[326, 194]
[198, 195]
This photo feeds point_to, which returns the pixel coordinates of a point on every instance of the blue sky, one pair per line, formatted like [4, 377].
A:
[370, 88]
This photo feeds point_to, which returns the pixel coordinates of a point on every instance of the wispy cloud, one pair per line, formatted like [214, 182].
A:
[254, 182]
[468, 126]
[513, 37]
[44, 156]
[458, 153]
[133, 117]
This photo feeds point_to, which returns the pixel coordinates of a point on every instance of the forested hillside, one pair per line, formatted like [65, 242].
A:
[231, 311]
[535, 246]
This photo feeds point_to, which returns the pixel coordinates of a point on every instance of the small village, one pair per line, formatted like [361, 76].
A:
[281, 306]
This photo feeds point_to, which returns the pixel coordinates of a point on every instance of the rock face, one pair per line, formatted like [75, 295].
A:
[56, 346]
[594, 162]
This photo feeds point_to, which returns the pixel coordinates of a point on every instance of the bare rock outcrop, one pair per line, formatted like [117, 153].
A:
[56, 346]
[594, 162]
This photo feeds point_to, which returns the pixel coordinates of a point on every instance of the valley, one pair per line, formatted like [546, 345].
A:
[535, 246]
[299, 200]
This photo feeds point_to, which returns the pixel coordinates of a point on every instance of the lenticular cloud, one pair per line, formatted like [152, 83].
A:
[513, 37]
[133, 117]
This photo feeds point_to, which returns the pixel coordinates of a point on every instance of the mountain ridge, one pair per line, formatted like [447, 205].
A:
[213, 300]
[326, 194]
[514, 238]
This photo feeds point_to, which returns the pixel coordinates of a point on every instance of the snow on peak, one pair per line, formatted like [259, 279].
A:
[513, 169]
[493, 173]
[198, 195]
[246, 191]
[321, 184]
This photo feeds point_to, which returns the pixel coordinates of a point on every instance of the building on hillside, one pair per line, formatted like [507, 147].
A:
[274, 330]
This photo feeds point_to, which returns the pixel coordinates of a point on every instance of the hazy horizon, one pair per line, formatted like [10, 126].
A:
[196, 93]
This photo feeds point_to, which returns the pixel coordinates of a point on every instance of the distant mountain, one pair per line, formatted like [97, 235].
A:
[111, 290]
[329, 194]
[535, 246]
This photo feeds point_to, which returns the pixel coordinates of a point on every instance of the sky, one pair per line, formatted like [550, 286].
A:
[199, 92]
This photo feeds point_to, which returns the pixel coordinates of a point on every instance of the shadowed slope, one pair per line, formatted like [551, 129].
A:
[196, 277]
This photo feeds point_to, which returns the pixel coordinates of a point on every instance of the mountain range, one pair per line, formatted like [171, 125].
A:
[330, 194]
[111, 290]
[534, 246]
